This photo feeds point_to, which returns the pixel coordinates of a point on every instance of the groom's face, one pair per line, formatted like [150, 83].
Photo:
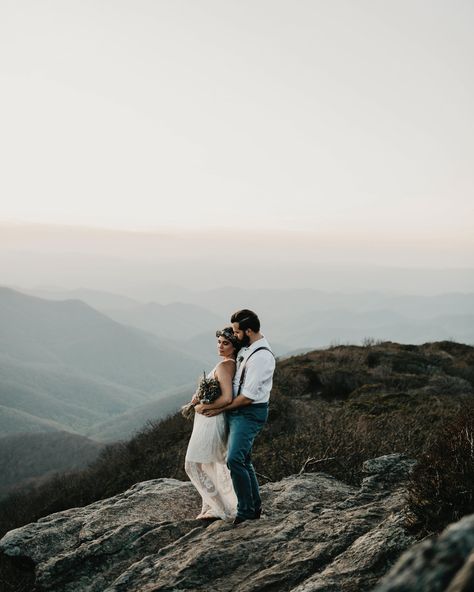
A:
[240, 335]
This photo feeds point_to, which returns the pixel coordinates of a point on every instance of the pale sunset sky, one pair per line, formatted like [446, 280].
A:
[342, 122]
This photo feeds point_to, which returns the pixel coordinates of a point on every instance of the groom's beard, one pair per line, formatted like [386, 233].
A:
[245, 342]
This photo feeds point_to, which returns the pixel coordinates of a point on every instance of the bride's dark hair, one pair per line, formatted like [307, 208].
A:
[228, 333]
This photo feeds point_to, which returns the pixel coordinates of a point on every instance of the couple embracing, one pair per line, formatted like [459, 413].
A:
[218, 460]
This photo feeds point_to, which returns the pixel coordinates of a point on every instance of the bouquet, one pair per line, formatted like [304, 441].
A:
[208, 391]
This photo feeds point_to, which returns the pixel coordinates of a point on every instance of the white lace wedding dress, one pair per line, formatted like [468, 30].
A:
[206, 467]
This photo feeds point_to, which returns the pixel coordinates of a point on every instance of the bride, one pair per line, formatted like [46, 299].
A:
[205, 461]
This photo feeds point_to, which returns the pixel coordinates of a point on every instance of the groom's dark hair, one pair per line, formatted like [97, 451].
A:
[247, 319]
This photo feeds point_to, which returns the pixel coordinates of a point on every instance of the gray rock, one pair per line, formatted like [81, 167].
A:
[440, 564]
[316, 534]
[85, 548]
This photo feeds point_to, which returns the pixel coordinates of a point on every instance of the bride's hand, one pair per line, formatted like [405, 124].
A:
[195, 399]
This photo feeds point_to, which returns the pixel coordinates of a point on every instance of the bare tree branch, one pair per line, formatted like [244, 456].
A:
[314, 461]
[263, 476]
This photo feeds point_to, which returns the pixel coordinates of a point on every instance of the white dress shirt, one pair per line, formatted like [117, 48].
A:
[259, 370]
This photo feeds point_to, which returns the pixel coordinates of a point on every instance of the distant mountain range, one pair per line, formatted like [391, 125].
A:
[123, 426]
[325, 327]
[64, 365]
[176, 321]
[297, 318]
[61, 396]
[101, 301]
[103, 366]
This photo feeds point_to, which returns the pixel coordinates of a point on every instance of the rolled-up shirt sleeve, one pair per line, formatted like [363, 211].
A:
[259, 377]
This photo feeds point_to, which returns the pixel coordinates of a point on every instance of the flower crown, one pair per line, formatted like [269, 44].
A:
[228, 333]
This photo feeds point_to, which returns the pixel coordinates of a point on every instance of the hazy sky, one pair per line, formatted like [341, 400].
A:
[339, 118]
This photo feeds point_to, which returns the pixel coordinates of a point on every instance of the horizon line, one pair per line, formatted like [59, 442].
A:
[173, 231]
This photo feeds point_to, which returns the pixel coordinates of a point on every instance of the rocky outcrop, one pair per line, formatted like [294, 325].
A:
[316, 534]
[439, 564]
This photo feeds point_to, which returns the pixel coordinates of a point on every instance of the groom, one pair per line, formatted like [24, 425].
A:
[248, 411]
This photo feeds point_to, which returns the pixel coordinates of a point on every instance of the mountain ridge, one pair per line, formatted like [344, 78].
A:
[79, 366]
[27, 459]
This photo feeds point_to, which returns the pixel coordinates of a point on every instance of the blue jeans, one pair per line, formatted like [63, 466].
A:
[244, 425]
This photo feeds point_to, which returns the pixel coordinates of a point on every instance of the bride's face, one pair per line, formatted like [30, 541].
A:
[224, 347]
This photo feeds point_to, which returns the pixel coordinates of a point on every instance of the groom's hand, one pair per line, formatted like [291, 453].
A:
[211, 412]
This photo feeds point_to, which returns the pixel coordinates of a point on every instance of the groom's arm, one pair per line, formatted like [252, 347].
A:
[212, 409]
[201, 407]
[256, 375]
[240, 401]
